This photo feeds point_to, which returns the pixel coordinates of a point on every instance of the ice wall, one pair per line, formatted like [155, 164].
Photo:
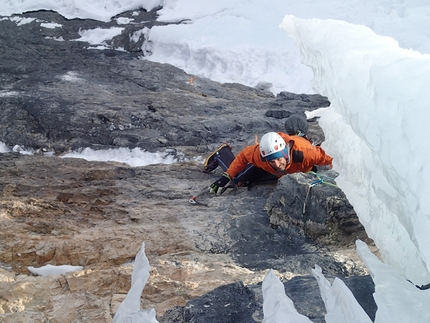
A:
[398, 300]
[376, 131]
[340, 303]
[277, 306]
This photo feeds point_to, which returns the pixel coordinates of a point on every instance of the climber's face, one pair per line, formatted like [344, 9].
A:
[279, 164]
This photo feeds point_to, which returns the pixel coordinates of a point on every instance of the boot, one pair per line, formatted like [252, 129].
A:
[211, 162]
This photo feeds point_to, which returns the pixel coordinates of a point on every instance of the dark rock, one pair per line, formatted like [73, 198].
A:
[287, 99]
[278, 114]
[243, 304]
[363, 288]
[235, 301]
[317, 207]
[58, 89]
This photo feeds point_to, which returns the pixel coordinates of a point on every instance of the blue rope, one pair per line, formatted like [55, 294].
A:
[321, 179]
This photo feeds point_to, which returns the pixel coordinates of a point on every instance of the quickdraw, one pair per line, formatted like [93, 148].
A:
[320, 180]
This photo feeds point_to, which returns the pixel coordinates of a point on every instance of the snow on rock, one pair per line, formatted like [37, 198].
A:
[339, 301]
[50, 270]
[129, 310]
[277, 306]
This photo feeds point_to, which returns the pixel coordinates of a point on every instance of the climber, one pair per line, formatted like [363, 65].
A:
[277, 154]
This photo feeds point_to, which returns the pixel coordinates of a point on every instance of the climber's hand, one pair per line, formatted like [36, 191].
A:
[217, 186]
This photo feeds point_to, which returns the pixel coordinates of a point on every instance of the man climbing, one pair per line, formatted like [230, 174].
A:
[277, 154]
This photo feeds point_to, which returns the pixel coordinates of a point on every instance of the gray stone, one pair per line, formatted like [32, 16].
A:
[314, 205]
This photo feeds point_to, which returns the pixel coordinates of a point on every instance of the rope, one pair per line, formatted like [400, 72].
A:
[321, 176]
[320, 180]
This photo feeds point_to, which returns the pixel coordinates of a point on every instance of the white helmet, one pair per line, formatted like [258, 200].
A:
[273, 146]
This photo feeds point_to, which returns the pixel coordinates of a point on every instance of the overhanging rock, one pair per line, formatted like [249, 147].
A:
[317, 207]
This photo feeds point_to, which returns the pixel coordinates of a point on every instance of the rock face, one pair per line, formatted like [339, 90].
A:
[323, 212]
[207, 262]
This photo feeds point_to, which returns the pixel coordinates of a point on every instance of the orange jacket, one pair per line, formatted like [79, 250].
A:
[303, 156]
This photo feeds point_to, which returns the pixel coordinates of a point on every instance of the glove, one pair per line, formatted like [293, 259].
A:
[221, 182]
